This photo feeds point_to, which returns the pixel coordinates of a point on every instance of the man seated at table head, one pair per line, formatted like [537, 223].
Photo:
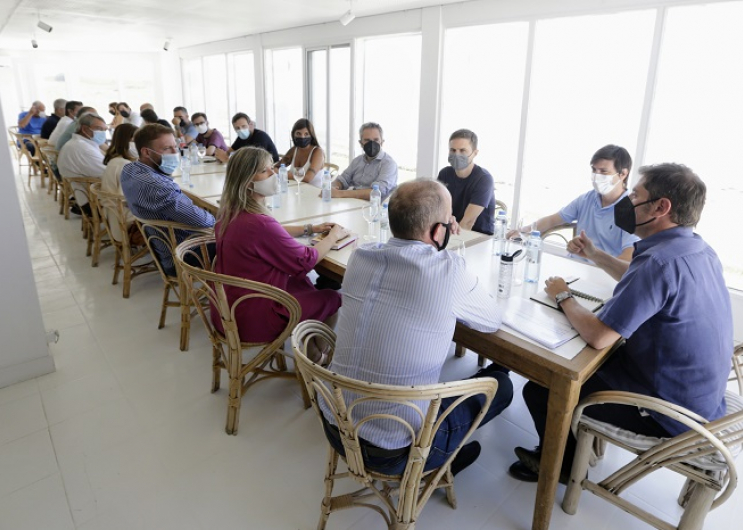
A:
[594, 210]
[71, 129]
[401, 302]
[672, 307]
[247, 136]
[209, 137]
[150, 191]
[375, 166]
[70, 110]
[129, 115]
[30, 122]
[470, 185]
[185, 132]
[82, 155]
[53, 119]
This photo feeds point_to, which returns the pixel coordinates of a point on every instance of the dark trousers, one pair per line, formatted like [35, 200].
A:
[450, 434]
[622, 416]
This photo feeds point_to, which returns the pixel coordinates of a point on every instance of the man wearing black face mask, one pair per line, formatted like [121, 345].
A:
[401, 334]
[185, 132]
[671, 305]
[129, 115]
[375, 166]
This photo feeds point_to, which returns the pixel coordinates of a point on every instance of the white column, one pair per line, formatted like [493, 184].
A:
[24, 353]
[432, 34]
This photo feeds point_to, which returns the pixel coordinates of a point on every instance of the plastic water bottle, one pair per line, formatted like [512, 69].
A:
[326, 193]
[384, 224]
[533, 257]
[186, 171]
[284, 178]
[376, 202]
[505, 274]
[499, 234]
[193, 154]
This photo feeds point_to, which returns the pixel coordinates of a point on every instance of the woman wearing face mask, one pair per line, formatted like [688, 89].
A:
[120, 153]
[211, 138]
[305, 153]
[471, 186]
[118, 119]
[593, 212]
[253, 245]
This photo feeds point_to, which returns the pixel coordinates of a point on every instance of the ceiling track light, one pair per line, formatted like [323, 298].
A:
[43, 25]
[166, 46]
[34, 44]
[348, 16]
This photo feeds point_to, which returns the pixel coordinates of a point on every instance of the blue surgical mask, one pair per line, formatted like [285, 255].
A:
[169, 162]
[244, 134]
[99, 137]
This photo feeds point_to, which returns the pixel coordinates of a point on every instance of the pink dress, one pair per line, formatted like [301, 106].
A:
[256, 247]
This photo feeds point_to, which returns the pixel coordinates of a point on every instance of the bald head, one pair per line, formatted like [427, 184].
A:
[145, 106]
[416, 206]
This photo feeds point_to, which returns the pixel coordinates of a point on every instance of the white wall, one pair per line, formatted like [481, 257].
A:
[24, 353]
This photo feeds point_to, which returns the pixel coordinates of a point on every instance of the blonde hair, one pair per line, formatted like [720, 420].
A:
[237, 195]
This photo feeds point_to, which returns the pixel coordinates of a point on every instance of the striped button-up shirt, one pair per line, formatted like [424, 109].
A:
[363, 174]
[401, 302]
[153, 195]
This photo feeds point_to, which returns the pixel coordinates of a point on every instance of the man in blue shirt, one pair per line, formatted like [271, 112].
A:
[671, 305]
[31, 122]
[151, 192]
[184, 129]
[471, 187]
[593, 211]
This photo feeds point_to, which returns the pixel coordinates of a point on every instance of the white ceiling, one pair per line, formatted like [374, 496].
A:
[143, 25]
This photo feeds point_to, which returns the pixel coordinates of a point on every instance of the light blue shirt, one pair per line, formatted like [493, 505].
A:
[598, 222]
[363, 174]
[401, 302]
[66, 135]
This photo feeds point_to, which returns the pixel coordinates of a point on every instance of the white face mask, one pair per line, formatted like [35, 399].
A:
[604, 184]
[202, 128]
[133, 150]
[267, 187]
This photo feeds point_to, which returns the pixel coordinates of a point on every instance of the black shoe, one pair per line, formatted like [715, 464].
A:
[527, 468]
[492, 367]
[76, 209]
[465, 457]
[323, 282]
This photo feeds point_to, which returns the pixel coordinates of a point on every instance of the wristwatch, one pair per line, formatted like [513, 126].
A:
[308, 230]
[561, 297]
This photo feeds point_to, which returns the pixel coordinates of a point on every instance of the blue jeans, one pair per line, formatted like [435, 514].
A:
[450, 434]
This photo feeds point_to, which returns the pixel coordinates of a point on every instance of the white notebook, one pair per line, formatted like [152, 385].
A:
[590, 295]
[538, 322]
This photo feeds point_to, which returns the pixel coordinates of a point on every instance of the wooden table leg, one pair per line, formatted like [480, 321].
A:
[563, 398]
[459, 350]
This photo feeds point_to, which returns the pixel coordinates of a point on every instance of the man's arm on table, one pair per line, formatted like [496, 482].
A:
[615, 267]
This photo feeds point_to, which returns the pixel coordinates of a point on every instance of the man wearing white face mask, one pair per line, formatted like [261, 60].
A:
[82, 156]
[247, 136]
[150, 191]
[209, 137]
[594, 211]
[471, 187]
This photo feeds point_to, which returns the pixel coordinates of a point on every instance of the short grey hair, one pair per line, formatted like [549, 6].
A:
[87, 120]
[415, 206]
[371, 125]
[59, 104]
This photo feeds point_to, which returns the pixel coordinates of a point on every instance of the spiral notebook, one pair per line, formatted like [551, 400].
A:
[350, 238]
[538, 323]
[590, 295]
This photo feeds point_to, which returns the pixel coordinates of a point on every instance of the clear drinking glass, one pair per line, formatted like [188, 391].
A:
[201, 151]
[457, 246]
[298, 176]
[370, 215]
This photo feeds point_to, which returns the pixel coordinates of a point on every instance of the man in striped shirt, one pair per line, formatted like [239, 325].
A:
[151, 193]
[401, 302]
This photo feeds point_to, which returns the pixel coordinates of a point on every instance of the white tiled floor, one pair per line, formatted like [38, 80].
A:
[125, 435]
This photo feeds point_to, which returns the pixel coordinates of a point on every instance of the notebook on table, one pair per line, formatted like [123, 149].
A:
[590, 295]
[540, 324]
[350, 238]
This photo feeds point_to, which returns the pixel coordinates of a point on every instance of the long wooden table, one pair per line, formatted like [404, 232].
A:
[562, 376]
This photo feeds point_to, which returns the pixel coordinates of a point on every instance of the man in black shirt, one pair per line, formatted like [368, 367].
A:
[51, 122]
[247, 135]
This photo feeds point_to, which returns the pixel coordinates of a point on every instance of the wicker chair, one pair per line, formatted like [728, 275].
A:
[34, 162]
[557, 231]
[49, 161]
[264, 360]
[111, 209]
[737, 370]
[414, 487]
[703, 454]
[500, 205]
[164, 232]
[333, 169]
[79, 187]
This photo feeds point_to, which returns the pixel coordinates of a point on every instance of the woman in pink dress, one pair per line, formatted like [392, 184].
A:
[253, 245]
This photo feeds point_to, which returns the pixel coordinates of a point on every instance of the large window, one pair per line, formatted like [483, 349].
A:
[389, 92]
[284, 88]
[587, 90]
[329, 100]
[193, 85]
[482, 90]
[697, 115]
[241, 67]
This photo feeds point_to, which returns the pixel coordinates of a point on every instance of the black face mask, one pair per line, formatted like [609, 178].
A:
[624, 215]
[183, 122]
[302, 141]
[447, 226]
[112, 113]
[372, 149]
[124, 113]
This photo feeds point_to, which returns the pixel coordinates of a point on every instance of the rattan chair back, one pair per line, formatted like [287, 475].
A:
[263, 359]
[343, 397]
